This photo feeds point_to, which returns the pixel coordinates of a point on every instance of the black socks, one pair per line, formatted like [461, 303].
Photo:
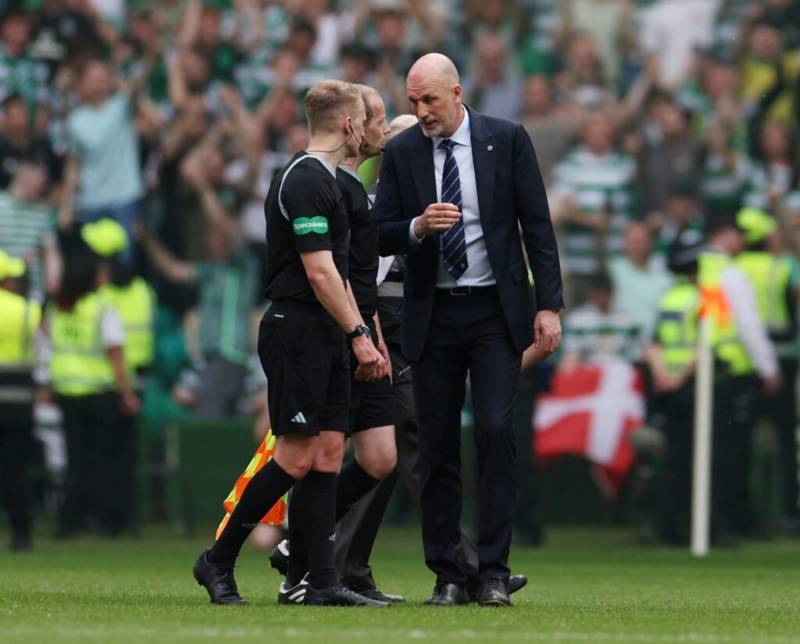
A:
[353, 484]
[318, 522]
[298, 555]
[265, 488]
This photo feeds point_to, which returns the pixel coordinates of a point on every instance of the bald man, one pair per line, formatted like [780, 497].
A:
[455, 192]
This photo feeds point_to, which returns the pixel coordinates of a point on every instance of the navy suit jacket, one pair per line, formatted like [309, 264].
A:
[511, 199]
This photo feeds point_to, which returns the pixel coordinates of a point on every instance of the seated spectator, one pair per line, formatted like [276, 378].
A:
[598, 331]
[639, 278]
[27, 229]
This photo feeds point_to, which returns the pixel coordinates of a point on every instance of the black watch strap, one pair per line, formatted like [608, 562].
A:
[360, 329]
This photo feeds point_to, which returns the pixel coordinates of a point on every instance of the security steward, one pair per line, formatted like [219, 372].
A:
[743, 355]
[135, 302]
[20, 322]
[770, 272]
[93, 390]
[671, 358]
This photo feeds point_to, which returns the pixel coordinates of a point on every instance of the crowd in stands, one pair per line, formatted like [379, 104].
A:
[171, 116]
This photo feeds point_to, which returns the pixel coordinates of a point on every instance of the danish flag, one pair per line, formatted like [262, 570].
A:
[590, 411]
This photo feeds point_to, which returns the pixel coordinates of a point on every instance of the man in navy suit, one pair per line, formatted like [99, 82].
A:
[455, 192]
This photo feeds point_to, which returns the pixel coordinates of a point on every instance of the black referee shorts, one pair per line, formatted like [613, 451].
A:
[305, 357]
[371, 402]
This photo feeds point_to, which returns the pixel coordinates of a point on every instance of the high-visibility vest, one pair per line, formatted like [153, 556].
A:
[725, 341]
[20, 320]
[770, 277]
[136, 306]
[79, 365]
[676, 328]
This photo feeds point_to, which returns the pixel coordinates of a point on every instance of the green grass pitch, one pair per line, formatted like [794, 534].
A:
[586, 586]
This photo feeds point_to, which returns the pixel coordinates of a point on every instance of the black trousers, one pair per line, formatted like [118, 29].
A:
[99, 476]
[735, 407]
[467, 336]
[527, 513]
[781, 409]
[673, 485]
[358, 529]
[16, 427]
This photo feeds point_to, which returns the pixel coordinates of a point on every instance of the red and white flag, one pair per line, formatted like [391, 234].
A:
[590, 411]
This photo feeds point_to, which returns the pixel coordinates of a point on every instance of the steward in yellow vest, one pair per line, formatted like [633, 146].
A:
[93, 389]
[671, 357]
[745, 364]
[134, 300]
[770, 271]
[20, 323]
[127, 292]
[770, 274]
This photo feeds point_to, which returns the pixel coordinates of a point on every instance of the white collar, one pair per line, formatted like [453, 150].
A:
[461, 135]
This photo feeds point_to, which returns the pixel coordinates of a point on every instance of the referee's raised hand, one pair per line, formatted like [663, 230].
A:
[370, 361]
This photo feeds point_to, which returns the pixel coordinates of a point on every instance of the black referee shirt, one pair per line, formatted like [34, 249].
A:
[305, 212]
[363, 260]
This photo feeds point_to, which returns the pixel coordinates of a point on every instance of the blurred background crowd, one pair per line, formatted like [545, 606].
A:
[649, 118]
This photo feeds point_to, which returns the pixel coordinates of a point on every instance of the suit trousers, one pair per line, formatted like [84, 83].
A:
[358, 529]
[467, 336]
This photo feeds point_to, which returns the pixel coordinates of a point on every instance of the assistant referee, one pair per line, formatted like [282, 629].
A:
[303, 348]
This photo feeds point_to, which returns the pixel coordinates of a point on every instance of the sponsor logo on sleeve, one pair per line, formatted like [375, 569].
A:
[305, 225]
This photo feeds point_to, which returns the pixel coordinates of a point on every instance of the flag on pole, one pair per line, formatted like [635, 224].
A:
[591, 411]
[277, 513]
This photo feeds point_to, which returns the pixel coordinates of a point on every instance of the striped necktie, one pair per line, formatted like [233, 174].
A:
[453, 240]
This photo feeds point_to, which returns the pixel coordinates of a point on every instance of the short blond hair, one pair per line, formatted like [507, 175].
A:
[327, 101]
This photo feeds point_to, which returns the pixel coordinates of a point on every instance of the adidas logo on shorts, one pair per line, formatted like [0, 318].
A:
[299, 418]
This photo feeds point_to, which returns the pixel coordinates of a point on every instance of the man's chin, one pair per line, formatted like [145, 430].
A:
[434, 130]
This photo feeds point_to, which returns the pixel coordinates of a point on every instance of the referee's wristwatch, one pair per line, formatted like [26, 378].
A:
[361, 329]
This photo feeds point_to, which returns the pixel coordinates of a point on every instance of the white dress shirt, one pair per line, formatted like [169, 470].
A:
[479, 271]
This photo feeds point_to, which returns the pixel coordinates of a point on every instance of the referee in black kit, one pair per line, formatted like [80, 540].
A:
[303, 348]
[371, 402]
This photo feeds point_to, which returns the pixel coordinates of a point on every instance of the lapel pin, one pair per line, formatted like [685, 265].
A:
[490, 147]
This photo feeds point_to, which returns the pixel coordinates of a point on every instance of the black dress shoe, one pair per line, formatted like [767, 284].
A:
[494, 592]
[374, 592]
[339, 595]
[516, 582]
[217, 580]
[445, 594]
